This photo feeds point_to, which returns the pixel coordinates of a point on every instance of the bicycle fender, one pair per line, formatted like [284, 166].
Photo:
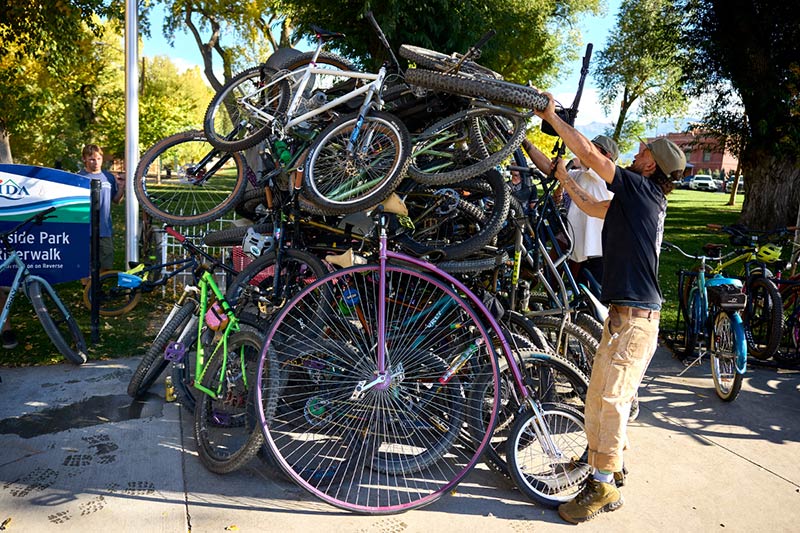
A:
[740, 342]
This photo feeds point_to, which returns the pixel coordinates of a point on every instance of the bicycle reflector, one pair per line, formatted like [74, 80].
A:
[128, 281]
[768, 253]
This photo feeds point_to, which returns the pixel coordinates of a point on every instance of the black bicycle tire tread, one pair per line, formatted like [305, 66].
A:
[233, 236]
[479, 167]
[78, 357]
[416, 55]
[775, 324]
[493, 90]
[241, 457]
[191, 220]
[738, 378]
[585, 338]
[492, 181]
[143, 378]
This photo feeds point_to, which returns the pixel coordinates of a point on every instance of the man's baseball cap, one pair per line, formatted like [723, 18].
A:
[667, 155]
[608, 145]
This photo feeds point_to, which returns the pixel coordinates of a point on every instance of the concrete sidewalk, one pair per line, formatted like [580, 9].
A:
[78, 456]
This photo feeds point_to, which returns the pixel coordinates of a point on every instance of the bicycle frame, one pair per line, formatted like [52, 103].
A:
[19, 278]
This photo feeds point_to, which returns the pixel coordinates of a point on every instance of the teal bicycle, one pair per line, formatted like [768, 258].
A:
[56, 320]
[714, 322]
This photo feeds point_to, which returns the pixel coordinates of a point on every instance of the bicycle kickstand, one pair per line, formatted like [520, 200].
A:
[693, 363]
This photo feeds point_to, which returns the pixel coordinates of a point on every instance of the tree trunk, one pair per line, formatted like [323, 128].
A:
[772, 192]
[5, 147]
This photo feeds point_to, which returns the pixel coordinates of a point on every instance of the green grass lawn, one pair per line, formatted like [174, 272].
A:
[687, 216]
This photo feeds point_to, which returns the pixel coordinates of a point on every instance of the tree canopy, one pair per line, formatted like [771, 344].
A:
[745, 54]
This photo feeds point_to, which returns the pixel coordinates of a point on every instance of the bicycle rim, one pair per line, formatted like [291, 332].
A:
[377, 449]
[347, 182]
[727, 381]
[549, 477]
[184, 181]
[113, 300]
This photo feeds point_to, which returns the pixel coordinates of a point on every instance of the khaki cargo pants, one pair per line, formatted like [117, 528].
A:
[625, 351]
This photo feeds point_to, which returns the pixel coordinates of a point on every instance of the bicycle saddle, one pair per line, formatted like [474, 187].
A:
[326, 35]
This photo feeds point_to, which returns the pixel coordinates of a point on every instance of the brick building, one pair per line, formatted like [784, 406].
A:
[704, 155]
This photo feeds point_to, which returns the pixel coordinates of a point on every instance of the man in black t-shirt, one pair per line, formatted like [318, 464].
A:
[632, 233]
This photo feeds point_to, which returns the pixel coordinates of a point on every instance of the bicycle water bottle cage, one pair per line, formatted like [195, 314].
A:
[255, 244]
[712, 249]
[128, 281]
[216, 318]
[174, 352]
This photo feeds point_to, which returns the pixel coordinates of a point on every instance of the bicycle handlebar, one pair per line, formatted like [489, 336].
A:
[667, 244]
[37, 219]
[758, 235]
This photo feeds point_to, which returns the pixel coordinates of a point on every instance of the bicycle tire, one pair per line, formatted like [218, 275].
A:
[789, 351]
[346, 183]
[153, 362]
[763, 318]
[226, 434]
[549, 378]
[577, 346]
[465, 145]
[233, 236]
[548, 480]
[189, 195]
[589, 324]
[336, 442]
[457, 221]
[257, 281]
[494, 90]
[726, 333]
[57, 321]
[237, 117]
[695, 325]
[114, 300]
[431, 59]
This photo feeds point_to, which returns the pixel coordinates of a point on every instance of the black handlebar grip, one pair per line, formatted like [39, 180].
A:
[486, 36]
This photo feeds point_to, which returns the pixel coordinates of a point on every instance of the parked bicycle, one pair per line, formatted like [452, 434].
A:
[57, 321]
[714, 324]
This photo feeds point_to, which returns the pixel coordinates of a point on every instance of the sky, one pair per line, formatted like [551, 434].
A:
[594, 29]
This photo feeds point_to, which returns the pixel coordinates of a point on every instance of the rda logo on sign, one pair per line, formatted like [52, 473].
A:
[11, 190]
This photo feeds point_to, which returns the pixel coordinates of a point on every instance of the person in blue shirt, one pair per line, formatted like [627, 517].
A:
[631, 238]
[112, 189]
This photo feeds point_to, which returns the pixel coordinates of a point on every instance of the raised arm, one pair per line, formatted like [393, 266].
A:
[578, 144]
[584, 200]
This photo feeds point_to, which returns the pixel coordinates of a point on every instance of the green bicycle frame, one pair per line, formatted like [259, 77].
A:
[201, 362]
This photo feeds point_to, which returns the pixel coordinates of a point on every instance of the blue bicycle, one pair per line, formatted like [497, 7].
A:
[56, 320]
[714, 323]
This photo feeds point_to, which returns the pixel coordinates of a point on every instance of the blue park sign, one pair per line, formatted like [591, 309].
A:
[58, 250]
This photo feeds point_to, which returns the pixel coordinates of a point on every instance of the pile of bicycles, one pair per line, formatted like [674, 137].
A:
[393, 314]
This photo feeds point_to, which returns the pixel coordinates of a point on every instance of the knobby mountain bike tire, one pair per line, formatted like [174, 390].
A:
[225, 426]
[453, 222]
[362, 445]
[233, 236]
[727, 340]
[465, 145]
[184, 181]
[494, 90]
[174, 331]
[346, 182]
[113, 299]
[763, 318]
[568, 340]
[547, 478]
[57, 321]
[431, 59]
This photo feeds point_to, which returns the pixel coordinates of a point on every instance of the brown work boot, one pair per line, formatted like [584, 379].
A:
[595, 498]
